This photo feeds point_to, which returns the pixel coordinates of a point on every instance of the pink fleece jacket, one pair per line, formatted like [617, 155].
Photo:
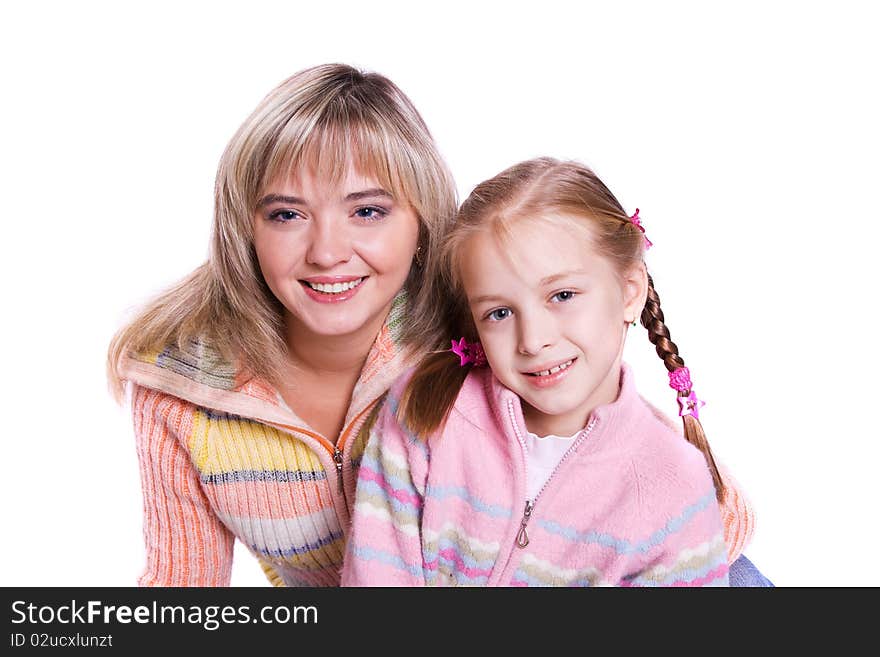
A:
[631, 503]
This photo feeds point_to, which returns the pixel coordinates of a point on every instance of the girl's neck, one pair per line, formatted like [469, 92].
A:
[575, 419]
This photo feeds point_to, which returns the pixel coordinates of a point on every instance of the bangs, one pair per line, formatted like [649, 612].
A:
[327, 147]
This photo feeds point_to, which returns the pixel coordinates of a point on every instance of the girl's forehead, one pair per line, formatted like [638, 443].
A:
[563, 236]
[531, 251]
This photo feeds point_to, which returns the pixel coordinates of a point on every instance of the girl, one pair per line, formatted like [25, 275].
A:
[250, 380]
[524, 455]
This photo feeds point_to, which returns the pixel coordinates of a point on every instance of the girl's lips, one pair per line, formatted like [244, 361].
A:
[548, 380]
[326, 295]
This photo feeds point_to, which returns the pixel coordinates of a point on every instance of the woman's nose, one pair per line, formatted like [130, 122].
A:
[330, 244]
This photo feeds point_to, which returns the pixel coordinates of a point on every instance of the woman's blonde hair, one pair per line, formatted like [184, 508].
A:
[542, 189]
[321, 118]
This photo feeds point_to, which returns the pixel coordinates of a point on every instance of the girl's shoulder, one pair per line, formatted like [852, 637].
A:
[664, 456]
[473, 404]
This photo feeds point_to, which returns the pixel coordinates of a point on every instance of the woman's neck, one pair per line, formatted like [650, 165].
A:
[330, 355]
[322, 373]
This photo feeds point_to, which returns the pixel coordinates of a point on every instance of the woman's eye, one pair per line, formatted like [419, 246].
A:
[498, 314]
[565, 295]
[371, 213]
[284, 215]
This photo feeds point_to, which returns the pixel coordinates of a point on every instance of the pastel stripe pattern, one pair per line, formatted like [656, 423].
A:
[452, 555]
[223, 458]
[632, 506]
[219, 479]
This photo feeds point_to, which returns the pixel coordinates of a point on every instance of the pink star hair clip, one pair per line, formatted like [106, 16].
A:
[469, 353]
[680, 379]
[690, 405]
[637, 222]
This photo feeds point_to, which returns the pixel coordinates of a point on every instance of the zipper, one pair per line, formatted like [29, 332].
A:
[337, 457]
[522, 537]
[335, 451]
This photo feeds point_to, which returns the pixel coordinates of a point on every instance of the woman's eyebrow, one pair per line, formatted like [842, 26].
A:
[279, 198]
[376, 191]
[296, 200]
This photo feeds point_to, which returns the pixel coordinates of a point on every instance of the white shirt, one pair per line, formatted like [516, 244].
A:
[543, 454]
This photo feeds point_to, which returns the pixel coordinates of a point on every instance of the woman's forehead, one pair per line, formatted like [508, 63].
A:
[340, 178]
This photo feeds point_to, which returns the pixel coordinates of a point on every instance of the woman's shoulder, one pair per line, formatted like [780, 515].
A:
[143, 397]
[200, 374]
[195, 360]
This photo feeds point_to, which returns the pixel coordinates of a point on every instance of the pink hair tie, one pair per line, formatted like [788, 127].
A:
[637, 222]
[680, 379]
[469, 353]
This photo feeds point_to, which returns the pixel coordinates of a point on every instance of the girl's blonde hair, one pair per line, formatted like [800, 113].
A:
[321, 118]
[543, 189]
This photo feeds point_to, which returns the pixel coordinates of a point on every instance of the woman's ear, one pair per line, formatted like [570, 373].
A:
[635, 292]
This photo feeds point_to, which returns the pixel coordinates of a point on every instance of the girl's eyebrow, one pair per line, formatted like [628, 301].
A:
[547, 280]
[296, 200]
[486, 297]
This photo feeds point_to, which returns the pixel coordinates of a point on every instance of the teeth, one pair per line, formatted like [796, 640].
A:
[334, 288]
[553, 370]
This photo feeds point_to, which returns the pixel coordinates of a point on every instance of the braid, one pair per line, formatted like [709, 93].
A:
[658, 334]
[653, 320]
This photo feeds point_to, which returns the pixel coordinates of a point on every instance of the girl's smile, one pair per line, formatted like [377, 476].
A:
[551, 314]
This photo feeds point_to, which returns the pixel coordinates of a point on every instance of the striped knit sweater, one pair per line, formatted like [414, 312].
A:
[224, 458]
[631, 504]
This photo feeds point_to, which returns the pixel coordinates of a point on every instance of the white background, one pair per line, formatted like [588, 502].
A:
[747, 133]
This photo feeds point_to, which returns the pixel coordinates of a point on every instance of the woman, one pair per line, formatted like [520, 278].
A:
[252, 379]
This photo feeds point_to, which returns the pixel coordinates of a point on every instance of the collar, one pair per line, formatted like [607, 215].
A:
[612, 420]
[199, 374]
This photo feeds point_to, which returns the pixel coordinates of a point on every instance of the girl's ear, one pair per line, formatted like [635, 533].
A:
[635, 292]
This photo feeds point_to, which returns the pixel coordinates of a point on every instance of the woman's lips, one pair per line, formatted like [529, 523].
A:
[332, 289]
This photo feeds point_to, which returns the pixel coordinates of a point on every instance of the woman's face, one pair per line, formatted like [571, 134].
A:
[334, 255]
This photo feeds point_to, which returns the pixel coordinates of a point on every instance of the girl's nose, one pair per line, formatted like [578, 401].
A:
[536, 333]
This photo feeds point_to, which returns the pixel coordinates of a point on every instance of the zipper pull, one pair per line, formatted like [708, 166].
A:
[522, 539]
[337, 457]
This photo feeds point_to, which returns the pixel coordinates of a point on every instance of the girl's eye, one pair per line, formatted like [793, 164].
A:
[498, 314]
[565, 295]
[284, 215]
[371, 213]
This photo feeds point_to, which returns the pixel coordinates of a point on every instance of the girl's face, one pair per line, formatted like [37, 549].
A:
[334, 255]
[552, 316]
